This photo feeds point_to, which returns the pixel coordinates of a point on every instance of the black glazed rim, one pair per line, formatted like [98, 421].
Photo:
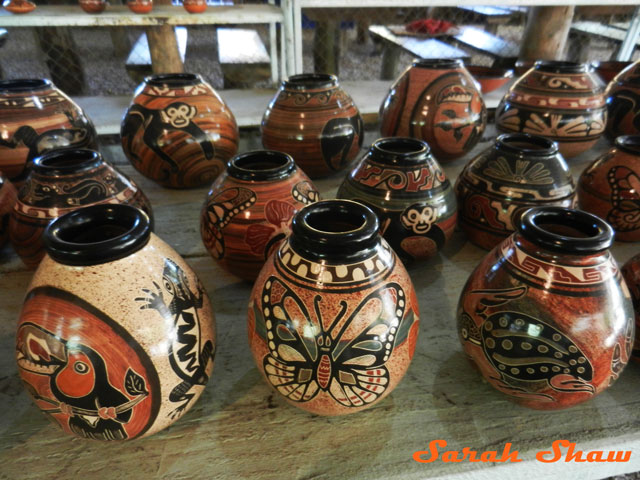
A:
[629, 143]
[261, 165]
[598, 234]
[130, 231]
[307, 81]
[541, 146]
[561, 66]
[174, 80]
[67, 161]
[346, 244]
[439, 63]
[400, 150]
[19, 85]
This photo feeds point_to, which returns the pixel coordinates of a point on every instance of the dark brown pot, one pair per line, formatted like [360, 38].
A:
[61, 182]
[623, 102]
[178, 131]
[316, 122]
[8, 195]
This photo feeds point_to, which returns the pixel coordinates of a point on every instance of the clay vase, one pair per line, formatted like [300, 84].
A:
[116, 338]
[93, 6]
[406, 188]
[623, 102]
[436, 101]
[546, 316]
[609, 69]
[631, 275]
[494, 189]
[248, 210]
[36, 117]
[562, 101]
[316, 122]
[610, 188]
[60, 182]
[140, 6]
[195, 6]
[178, 131]
[333, 315]
[19, 6]
[8, 195]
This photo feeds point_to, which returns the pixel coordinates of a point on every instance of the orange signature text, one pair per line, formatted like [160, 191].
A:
[431, 455]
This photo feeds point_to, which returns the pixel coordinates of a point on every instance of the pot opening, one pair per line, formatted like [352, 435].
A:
[307, 81]
[629, 143]
[439, 63]
[565, 230]
[66, 161]
[561, 66]
[261, 165]
[525, 144]
[401, 145]
[326, 222]
[173, 80]
[93, 234]
[24, 85]
[400, 150]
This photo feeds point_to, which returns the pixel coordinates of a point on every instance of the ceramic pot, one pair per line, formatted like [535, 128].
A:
[195, 6]
[36, 117]
[93, 6]
[19, 6]
[436, 101]
[406, 188]
[333, 316]
[140, 6]
[178, 131]
[249, 208]
[489, 78]
[631, 275]
[140, 347]
[623, 102]
[608, 70]
[519, 171]
[546, 316]
[8, 195]
[316, 122]
[60, 182]
[610, 188]
[563, 101]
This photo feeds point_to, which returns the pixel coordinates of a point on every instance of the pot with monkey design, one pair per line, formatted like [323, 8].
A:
[405, 186]
[333, 315]
[546, 316]
[436, 101]
[248, 210]
[178, 131]
[116, 338]
[519, 171]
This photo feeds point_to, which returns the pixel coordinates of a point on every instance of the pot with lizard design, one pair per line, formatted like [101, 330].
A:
[333, 315]
[36, 117]
[61, 181]
[407, 189]
[116, 338]
[546, 316]
[519, 171]
[436, 101]
[178, 131]
[562, 101]
[248, 210]
[316, 122]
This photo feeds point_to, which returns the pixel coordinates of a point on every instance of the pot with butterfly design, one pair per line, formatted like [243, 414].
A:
[8, 195]
[316, 122]
[519, 171]
[116, 338]
[631, 275]
[623, 102]
[436, 101]
[333, 315]
[546, 316]
[610, 188]
[249, 208]
[60, 182]
[405, 186]
[178, 131]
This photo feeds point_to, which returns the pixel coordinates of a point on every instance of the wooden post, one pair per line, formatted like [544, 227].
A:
[120, 41]
[163, 46]
[546, 33]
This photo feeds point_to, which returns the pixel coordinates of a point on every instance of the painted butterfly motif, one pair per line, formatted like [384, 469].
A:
[625, 188]
[306, 357]
[219, 212]
[304, 192]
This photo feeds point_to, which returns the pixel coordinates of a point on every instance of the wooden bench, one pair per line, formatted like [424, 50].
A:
[138, 62]
[423, 48]
[504, 52]
[583, 32]
[243, 57]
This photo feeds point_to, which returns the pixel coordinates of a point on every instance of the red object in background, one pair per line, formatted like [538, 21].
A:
[195, 6]
[19, 6]
[429, 25]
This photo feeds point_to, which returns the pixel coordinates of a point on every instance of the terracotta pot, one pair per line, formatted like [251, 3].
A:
[610, 188]
[563, 101]
[140, 6]
[316, 122]
[545, 316]
[608, 70]
[178, 131]
[19, 6]
[249, 208]
[490, 78]
[631, 275]
[406, 188]
[8, 195]
[333, 316]
[623, 102]
[494, 189]
[116, 338]
[436, 101]
[195, 6]
[36, 117]
[93, 6]
[60, 182]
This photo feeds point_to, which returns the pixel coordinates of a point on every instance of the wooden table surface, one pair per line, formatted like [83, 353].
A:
[240, 429]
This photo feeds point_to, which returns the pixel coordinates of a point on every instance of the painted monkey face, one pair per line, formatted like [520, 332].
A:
[418, 219]
[178, 114]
